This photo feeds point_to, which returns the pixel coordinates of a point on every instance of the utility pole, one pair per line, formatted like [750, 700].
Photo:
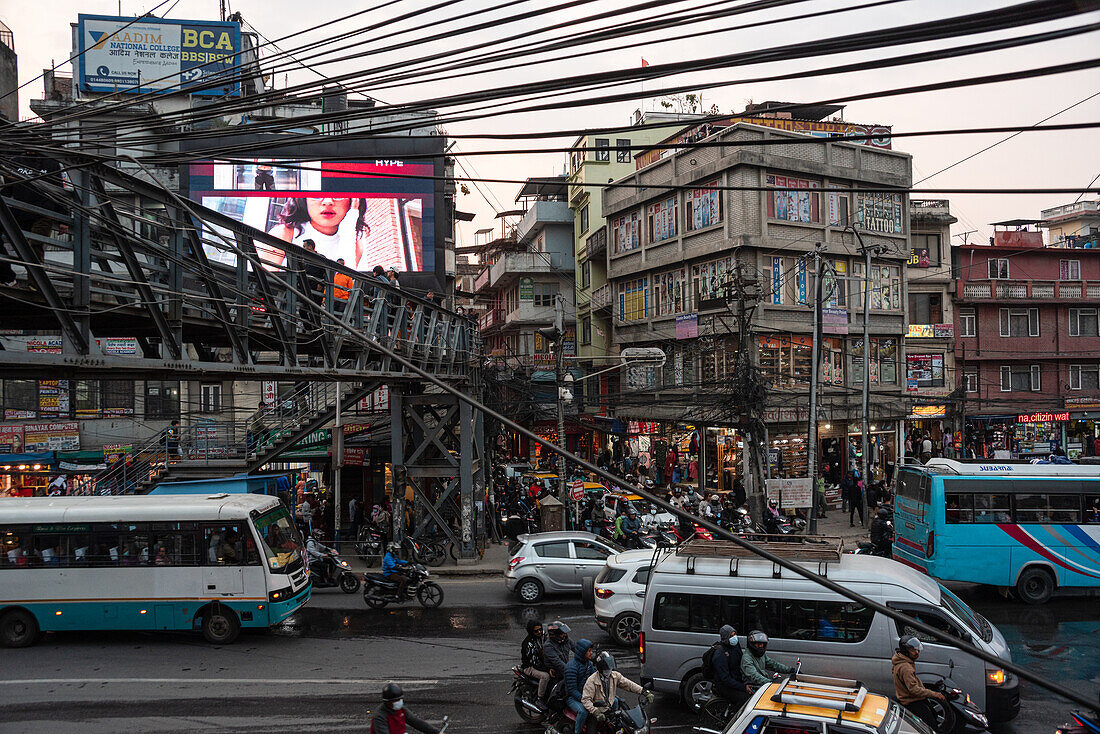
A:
[559, 381]
[337, 463]
[865, 430]
[815, 356]
[755, 481]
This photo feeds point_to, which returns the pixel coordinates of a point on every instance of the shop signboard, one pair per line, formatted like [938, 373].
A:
[354, 429]
[1042, 417]
[943, 331]
[834, 321]
[928, 411]
[269, 392]
[119, 346]
[11, 439]
[39, 437]
[786, 415]
[355, 455]
[526, 289]
[576, 490]
[791, 493]
[687, 326]
[1083, 403]
[53, 398]
[116, 452]
[49, 345]
[931, 331]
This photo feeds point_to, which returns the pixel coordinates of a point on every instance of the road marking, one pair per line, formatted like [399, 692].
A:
[221, 681]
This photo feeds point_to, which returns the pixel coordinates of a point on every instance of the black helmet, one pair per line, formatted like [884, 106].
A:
[910, 644]
[883, 513]
[630, 510]
[773, 503]
[392, 692]
[605, 663]
[557, 629]
[758, 642]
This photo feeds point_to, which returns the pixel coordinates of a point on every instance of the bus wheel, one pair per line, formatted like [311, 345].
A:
[1035, 586]
[18, 628]
[220, 625]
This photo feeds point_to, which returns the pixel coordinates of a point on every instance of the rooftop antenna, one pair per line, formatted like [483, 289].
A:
[965, 236]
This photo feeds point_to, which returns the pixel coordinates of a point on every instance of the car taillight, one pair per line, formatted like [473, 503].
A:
[930, 546]
[641, 647]
[604, 593]
[515, 562]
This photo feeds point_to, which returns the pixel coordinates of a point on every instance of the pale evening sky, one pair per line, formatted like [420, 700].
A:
[1035, 160]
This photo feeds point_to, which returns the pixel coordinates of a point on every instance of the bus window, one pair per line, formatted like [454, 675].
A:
[1092, 510]
[14, 542]
[224, 545]
[1032, 508]
[1065, 508]
[960, 508]
[992, 508]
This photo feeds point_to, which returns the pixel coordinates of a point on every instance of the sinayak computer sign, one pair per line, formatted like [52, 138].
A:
[157, 55]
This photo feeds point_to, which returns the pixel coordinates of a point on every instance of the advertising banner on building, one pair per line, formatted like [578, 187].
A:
[157, 55]
[687, 326]
[366, 213]
[11, 439]
[355, 455]
[115, 452]
[39, 437]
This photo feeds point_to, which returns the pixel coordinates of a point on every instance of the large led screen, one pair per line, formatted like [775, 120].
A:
[366, 212]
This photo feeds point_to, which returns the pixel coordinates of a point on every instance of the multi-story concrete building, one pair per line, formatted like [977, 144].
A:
[930, 343]
[1027, 341]
[598, 159]
[693, 228]
[526, 279]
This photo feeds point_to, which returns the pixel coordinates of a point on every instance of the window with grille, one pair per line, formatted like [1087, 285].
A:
[1018, 322]
[1083, 322]
[603, 152]
[1021, 378]
[622, 151]
[1084, 377]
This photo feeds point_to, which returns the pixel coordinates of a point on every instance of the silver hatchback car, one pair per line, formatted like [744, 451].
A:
[554, 563]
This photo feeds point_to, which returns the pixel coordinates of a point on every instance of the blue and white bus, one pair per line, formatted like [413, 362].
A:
[174, 562]
[1032, 528]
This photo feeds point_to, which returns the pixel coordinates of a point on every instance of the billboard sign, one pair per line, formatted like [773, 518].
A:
[39, 437]
[369, 212]
[156, 55]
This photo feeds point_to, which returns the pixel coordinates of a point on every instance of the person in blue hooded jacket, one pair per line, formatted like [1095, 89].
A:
[577, 672]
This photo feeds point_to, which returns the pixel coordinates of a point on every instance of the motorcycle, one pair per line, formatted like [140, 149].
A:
[380, 591]
[1081, 724]
[333, 571]
[559, 719]
[370, 545]
[957, 714]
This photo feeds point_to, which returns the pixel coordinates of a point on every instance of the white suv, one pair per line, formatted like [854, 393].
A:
[619, 595]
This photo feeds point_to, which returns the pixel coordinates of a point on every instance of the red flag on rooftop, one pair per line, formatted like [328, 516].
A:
[644, 63]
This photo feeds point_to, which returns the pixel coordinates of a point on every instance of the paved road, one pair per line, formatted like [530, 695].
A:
[322, 671]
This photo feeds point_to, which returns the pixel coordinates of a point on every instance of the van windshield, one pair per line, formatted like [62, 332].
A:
[281, 540]
[976, 622]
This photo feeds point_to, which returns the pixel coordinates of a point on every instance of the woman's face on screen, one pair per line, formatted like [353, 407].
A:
[326, 214]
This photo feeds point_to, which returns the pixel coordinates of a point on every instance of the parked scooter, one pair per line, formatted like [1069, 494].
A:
[1081, 724]
[370, 545]
[957, 714]
[333, 571]
[380, 591]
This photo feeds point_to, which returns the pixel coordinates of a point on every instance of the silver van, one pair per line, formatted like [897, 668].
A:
[691, 595]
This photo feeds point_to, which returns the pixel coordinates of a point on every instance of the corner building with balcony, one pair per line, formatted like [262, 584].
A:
[695, 227]
[1028, 340]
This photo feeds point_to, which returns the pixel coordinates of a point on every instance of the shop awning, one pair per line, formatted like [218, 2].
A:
[81, 457]
[10, 461]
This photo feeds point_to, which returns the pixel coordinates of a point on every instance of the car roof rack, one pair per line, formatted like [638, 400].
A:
[803, 547]
[837, 694]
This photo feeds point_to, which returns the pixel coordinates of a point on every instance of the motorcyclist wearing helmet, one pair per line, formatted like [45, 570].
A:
[532, 661]
[394, 569]
[393, 718]
[557, 648]
[315, 556]
[601, 688]
[577, 673]
[881, 533]
[631, 527]
[726, 668]
[908, 688]
[757, 667]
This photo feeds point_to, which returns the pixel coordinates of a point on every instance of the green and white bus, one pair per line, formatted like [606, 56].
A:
[171, 562]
